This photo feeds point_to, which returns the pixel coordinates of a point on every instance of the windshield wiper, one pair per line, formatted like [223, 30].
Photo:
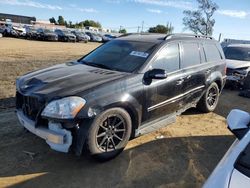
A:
[97, 65]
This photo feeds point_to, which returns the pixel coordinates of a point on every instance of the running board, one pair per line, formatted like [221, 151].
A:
[155, 125]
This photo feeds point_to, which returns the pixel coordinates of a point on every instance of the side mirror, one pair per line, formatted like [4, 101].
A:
[157, 74]
[238, 122]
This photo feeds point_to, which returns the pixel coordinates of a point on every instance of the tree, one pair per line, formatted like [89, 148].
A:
[200, 21]
[66, 23]
[124, 31]
[61, 20]
[161, 29]
[71, 24]
[91, 23]
[52, 20]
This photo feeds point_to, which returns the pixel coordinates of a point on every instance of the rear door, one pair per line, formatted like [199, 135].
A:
[192, 57]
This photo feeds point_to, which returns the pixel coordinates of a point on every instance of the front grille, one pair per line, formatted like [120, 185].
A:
[29, 105]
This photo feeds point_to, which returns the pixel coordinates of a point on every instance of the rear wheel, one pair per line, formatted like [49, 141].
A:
[210, 99]
[109, 134]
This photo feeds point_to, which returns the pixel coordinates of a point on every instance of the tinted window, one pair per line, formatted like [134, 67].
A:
[121, 55]
[212, 53]
[237, 53]
[191, 55]
[168, 58]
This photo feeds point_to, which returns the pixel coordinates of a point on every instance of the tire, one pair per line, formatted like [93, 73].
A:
[109, 134]
[246, 84]
[210, 99]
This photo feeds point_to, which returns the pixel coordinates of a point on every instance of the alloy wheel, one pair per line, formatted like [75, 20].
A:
[111, 133]
[212, 96]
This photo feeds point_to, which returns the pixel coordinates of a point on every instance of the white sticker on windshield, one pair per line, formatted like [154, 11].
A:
[139, 54]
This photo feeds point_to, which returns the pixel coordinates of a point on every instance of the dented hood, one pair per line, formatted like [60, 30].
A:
[64, 80]
[236, 64]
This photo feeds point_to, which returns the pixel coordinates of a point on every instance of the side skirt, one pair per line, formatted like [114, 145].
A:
[161, 122]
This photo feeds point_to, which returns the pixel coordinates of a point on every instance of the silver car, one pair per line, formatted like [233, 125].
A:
[233, 171]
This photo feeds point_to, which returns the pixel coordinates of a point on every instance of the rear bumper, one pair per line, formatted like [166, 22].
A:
[56, 137]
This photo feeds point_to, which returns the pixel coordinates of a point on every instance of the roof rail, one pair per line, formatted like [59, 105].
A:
[141, 33]
[169, 36]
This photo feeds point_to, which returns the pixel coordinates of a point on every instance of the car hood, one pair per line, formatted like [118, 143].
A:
[64, 80]
[236, 64]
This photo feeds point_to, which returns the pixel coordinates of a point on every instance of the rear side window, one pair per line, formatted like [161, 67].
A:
[212, 52]
[168, 58]
[191, 55]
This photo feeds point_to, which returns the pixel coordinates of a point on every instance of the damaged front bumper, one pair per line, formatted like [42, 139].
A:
[238, 76]
[56, 137]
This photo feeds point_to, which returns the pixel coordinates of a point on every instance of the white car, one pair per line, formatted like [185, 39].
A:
[238, 62]
[20, 31]
[233, 171]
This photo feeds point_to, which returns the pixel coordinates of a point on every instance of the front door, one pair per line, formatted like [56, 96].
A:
[162, 95]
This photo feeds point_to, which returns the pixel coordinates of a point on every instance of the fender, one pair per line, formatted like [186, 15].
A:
[88, 113]
[215, 77]
[124, 100]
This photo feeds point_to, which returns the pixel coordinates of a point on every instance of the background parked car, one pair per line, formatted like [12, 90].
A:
[80, 36]
[108, 37]
[1, 31]
[65, 35]
[46, 34]
[238, 63]
[9, 31]
[20, 31]
[233, 170]
[31, 33]
[94, 37]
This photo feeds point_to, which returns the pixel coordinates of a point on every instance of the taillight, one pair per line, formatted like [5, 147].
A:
[225, 70]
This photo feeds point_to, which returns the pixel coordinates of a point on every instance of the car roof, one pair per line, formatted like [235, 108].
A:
[155, 38]
[239, 45]
[159, 38]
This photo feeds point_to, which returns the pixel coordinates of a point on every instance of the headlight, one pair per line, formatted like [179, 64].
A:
[65, 108]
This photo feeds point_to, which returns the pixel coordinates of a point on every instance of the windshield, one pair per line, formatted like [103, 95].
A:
[66, 32]
[124, 56]
[237, 53]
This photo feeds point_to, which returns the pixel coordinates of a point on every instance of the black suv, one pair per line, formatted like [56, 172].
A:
[65, 36]
[120, 90]
[46, 35]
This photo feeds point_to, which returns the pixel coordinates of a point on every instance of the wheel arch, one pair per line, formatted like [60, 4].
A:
[131, 110]
[217, 78]
[219, 83]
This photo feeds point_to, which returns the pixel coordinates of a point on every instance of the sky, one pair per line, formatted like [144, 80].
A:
[232, 17]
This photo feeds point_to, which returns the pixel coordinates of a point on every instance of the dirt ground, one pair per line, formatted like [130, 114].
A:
[185, 155]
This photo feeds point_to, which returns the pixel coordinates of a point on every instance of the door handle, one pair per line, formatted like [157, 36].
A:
[180, 81]
[208, 71]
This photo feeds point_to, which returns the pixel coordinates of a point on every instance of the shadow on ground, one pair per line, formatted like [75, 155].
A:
[7, 103]
[168, 162]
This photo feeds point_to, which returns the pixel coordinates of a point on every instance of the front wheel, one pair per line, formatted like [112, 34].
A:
[109, 134]
[210, 99]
